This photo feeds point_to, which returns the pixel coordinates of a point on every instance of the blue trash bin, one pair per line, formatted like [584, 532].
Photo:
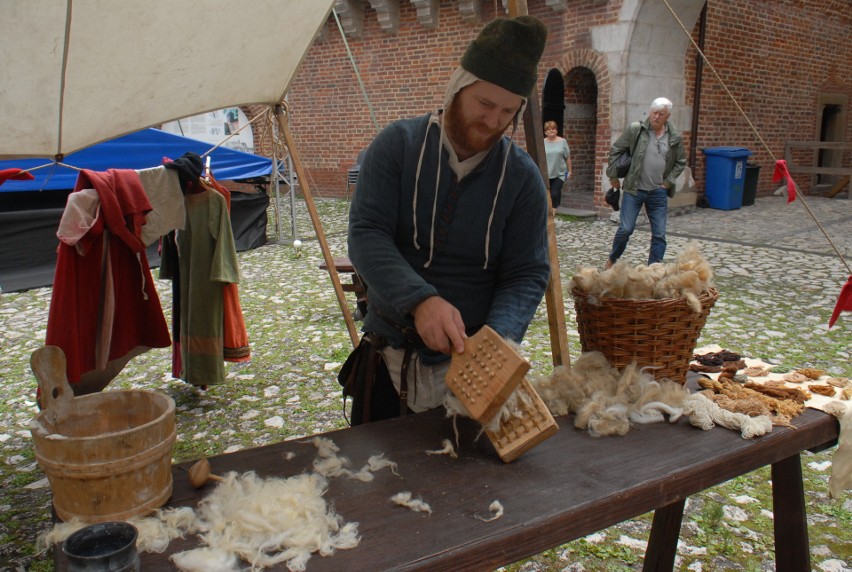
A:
[726, 170]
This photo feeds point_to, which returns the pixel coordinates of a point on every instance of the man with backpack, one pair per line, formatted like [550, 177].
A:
[658, 158]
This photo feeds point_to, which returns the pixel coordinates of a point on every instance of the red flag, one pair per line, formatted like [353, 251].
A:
[781, 172]
[17, 174]
[844, 302]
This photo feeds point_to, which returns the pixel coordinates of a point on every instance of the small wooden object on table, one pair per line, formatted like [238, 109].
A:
[484, 377]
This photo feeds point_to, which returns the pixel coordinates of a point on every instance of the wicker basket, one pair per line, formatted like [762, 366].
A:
[660, 333]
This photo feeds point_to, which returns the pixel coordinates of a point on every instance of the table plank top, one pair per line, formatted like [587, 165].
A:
[567, 487]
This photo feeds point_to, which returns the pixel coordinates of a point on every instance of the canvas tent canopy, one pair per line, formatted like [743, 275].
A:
[79, 72]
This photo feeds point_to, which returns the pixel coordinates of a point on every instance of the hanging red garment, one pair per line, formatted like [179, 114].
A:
[844, 302]
[14, 174]
[782, 172]
[104, 309]
[237, 347]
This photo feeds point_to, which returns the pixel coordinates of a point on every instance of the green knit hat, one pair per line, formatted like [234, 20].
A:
[506, 53]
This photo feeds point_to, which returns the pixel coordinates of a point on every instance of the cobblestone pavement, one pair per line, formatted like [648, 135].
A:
[774, 223]
[778, 280]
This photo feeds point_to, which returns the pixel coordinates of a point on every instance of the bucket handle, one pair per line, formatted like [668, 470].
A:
[48, 364]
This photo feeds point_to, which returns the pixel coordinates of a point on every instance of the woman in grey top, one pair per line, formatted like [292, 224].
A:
[558, 161]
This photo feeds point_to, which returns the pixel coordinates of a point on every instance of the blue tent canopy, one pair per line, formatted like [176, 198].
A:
[140, 150]
[29, 218]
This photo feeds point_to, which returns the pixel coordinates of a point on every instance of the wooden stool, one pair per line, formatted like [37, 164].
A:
[344, 266]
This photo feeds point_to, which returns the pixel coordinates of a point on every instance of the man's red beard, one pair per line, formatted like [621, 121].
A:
[469, 137]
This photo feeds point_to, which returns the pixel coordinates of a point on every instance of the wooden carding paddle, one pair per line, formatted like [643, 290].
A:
[486, 374]
[517, 435]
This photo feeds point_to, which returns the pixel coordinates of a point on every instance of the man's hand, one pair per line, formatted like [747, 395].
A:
[615, 184]
[439, 325]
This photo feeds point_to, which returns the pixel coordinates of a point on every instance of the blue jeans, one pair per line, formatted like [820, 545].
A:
[656, 206]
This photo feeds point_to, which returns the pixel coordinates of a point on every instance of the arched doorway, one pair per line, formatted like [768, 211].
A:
[581, 111]
[571, 101]
[553, 99]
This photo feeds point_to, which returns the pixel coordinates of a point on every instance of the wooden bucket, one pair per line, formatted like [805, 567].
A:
[107, 455]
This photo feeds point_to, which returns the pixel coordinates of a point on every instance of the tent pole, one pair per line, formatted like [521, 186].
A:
[284, 128]
[553, 295]
[276, 187]
[292, 197]
[293, 184]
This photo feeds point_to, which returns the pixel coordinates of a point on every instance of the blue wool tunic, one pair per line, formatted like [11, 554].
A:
[501, 289]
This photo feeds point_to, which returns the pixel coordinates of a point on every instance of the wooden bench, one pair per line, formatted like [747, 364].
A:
[568, 487]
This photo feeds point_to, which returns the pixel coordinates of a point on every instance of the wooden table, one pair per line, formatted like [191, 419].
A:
[566, 488]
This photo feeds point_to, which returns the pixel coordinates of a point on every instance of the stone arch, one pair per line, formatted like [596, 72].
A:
[553, 99]
[578, 67]
[651, 62]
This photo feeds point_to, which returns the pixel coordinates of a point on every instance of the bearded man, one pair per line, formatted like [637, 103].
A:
[448, 224]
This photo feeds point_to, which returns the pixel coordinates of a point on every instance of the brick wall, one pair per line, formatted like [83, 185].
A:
[403, 75]
[775, 57]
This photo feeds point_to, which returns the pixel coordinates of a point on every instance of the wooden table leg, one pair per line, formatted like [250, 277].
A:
[665, 531]
[792, 551]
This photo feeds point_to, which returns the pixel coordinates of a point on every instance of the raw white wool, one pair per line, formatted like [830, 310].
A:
[653, 413]
[454, 406]
[378, 462]
[263, 521]
[328, 464]
[496, 509]
[325, 447]
[374, 463]
[687, 277]
[332, 466]
[607, 401]
[417, 505]
[704, 413]
[273, 520]
[155, 532]
[205, 560]
[516, 406]
[364, 475]
[448, 449]
[59, 532]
